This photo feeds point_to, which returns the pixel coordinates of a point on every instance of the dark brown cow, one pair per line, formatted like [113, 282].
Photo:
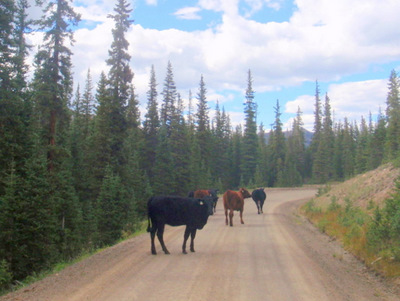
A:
[234, 201]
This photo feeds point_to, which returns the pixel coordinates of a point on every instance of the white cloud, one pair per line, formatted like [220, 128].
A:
[352, 100]
[188, 13]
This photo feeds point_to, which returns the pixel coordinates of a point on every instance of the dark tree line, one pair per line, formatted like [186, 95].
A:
[77, 167]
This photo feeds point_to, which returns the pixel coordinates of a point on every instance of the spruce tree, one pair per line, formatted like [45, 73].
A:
[393, 117]
[119, 82]
[169, 94]
[277, 148]
[377, 142]
[151, 125]
[316, 140]
[250, 139]
[53, 79]
[203, 133]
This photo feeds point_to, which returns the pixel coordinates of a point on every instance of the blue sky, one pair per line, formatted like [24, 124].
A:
[349, 46]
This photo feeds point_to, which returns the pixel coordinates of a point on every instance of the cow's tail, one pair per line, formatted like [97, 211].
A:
[148, 225]
[148, 216]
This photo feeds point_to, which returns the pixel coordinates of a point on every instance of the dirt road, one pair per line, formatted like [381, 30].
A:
[274, 256]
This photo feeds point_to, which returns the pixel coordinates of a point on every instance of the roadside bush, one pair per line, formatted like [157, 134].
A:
[5, 275]
[384, 231]
[334, 205]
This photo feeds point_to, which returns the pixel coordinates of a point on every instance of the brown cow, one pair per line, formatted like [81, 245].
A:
[234, 200]
[201, 194]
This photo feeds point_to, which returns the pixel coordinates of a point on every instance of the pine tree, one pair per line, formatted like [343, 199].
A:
[53, 79]
[277, 148]
[27, 218]
[203, 133]
[119, 83]
[323, 169]
[393, 117]
[179, 145]
[151, 125]
[163, 164]
[250, 139]
[111, 209]
[316, 140]
[377, 142]
[362, 148]
[169, 94]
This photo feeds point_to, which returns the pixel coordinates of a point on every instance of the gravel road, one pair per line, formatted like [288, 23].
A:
[274, 256]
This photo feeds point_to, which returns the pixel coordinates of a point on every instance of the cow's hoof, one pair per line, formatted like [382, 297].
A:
[184, 252]
[192, 250]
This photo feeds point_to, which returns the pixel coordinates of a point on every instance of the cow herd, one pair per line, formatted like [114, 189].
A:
[193, 212]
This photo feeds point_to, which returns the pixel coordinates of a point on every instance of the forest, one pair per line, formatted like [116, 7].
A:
[77, 165]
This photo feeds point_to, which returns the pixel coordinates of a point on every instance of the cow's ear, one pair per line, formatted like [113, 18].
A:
[201, 203]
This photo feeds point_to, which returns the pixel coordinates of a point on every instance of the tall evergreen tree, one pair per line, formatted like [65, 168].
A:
[377, 142]
[393, 117]
[316, 140]
[151, 125]
[277, 148]
[119, 82]
[323, 169]
[169, 94]
[250, 139]
[53, 79]
[203, 123]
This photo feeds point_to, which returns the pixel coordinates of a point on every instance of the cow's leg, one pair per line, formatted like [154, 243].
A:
[152, 236]
[262, 204]
[160, 235]
[226, 216]
[258, 207]
[241, 216]
[230, 217]
[185, 238]
[192, 236]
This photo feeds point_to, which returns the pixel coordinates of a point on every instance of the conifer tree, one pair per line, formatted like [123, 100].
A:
[151, 125]
[393, 117]
[119, 82]
[53, 79]
[323, 165]
[250, 139]
[277, 148]
[316, 140]
[179, 145]
[377, 142]
[203, 123]
[362, 148]
[169, 94]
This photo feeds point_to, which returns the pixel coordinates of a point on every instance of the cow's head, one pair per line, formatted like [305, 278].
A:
[245, 193]
[208, 202]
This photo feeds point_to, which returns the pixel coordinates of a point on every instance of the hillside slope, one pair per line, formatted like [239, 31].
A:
[374, 186]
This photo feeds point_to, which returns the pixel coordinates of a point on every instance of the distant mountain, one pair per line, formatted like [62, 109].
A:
[307, 136]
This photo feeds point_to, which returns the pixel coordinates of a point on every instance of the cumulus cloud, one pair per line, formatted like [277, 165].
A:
[325, 40]
[351, 99]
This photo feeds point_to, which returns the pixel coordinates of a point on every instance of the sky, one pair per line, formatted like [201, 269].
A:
[349, 47]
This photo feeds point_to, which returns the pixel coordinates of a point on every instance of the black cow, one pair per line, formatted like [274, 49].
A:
[259, 197]
[177, 211]
[214, 196]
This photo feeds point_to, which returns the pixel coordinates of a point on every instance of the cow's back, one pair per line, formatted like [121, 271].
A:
[177, 211]
[258, 195]
[233, 200]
